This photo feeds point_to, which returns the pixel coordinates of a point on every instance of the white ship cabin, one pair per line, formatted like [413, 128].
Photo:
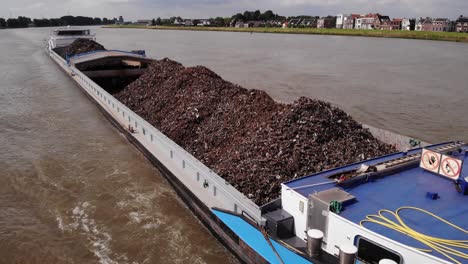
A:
[65, 36]
[408, 207]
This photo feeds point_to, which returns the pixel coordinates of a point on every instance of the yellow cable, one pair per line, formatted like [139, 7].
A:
[446, 247]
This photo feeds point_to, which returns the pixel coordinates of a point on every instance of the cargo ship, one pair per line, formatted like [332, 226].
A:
[406, 207]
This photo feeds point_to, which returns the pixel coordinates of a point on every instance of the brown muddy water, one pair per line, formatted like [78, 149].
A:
[73, 190]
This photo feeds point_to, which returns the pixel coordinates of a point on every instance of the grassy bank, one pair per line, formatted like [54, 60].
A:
[445, 36]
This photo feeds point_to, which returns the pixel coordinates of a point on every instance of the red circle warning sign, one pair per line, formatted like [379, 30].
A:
[450, 167]
[430, 160]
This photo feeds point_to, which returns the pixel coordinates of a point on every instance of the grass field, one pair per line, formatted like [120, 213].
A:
[444, 36]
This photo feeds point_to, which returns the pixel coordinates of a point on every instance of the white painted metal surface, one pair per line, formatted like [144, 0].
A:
[297, 206]
[57, 40]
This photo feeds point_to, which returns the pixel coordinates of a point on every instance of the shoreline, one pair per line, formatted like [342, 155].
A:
[402, 34]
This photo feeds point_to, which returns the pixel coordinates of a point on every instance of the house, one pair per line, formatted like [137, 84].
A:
[424, 24]
[179, 22]
[367, 21]
[294, 22]
[408, 24]
[254, 24]
[349, 22]
[326, 22]
[239, 24]
[312, 23]
[394, 24]
[203, 22]
[340, 20]
[144, 22]
[461, 25]
[274, 23]
[382, 22]
[188, 22]
[441, 24]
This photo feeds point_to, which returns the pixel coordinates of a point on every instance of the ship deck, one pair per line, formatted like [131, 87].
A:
[255, 239]
[404, 188]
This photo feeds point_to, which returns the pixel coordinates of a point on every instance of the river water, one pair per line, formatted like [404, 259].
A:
[73, 190]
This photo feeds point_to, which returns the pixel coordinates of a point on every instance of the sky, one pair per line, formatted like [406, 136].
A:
[147, 9]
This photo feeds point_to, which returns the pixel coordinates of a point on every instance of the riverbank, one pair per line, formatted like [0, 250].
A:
[441, 36]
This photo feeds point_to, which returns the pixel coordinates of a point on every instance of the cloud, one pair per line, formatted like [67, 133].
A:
[36, 5]
[139, 9]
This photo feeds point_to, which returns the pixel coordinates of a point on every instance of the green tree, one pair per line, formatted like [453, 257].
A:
[2, 23]
[256, 15]
[268, 15]
[24, 21]
[218, 21]
[41, 22]
[227, 21]
[153, 22]
[13, 23]
[159, 21]
[55, 22]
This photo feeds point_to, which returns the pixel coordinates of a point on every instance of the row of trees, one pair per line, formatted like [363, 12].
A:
[257, 16]
[22, 22]
[15, 22]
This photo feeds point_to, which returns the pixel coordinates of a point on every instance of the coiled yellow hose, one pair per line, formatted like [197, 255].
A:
[445, 247]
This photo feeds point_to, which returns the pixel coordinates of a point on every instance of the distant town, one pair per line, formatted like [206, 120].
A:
[371, 21]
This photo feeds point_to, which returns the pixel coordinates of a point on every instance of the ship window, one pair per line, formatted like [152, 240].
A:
[144, 131]
[183, 164]
[371, 252]
[151, 136]
[198, 176]
[214, 190]
[72, 32]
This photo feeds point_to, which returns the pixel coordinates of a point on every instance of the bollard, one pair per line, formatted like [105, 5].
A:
[387, 261]
[348, 254]
[314, 242]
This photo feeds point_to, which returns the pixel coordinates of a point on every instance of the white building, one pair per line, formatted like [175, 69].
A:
[339, 20]
[408, 24]
[366, 22]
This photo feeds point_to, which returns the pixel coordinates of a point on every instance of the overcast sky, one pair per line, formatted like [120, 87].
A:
[146, 9]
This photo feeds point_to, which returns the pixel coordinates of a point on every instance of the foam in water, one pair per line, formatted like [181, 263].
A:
[99, 239]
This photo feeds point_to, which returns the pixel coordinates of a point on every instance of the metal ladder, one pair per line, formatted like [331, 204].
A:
[417, 156]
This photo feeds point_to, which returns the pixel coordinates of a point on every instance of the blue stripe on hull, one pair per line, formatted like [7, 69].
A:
[254, 238]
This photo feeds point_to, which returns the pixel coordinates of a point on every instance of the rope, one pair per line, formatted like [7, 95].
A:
[265, 235]
[446, 247]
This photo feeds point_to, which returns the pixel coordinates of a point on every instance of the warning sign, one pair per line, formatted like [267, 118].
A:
[430, 160]
[450, 167]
